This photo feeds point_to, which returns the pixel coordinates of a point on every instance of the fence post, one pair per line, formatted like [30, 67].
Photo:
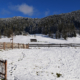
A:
[27, 46]
[12, 45]
[60, 45]
[5, 69]
[23, 46]
[4, 45]
[18, 45]
[71, 45]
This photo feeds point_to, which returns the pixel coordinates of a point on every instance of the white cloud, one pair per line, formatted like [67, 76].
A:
[24, 8]
[47, 12]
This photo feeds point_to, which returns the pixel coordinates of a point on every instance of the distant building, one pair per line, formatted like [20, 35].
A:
[33, 40]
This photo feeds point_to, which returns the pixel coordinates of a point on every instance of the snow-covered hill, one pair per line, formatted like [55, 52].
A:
[42, 63]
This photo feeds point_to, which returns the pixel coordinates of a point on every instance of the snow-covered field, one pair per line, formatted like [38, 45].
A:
[41, 39]
[42, 63]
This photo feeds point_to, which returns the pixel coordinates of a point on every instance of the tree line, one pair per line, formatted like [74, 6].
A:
[61, 27]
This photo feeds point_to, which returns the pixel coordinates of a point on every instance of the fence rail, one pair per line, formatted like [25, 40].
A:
[3, 69]
[55, 45]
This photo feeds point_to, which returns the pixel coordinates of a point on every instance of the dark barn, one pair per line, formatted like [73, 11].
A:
[33, 40]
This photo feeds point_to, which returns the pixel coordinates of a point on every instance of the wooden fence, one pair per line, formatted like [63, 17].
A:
[3, 69]
[6, 45]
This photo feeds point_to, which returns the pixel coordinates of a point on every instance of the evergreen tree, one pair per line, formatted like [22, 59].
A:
[58, 34]
[64, 34]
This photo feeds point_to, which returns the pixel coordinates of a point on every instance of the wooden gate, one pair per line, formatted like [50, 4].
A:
[3, 69]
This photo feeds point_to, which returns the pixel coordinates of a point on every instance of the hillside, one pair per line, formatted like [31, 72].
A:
[58, 24]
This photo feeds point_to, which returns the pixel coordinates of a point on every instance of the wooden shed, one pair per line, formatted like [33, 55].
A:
[33, 40]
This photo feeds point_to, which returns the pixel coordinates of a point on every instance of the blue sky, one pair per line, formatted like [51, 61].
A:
[36, 8]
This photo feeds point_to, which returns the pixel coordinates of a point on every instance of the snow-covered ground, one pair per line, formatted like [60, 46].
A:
[42, 63]
[40, 39]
